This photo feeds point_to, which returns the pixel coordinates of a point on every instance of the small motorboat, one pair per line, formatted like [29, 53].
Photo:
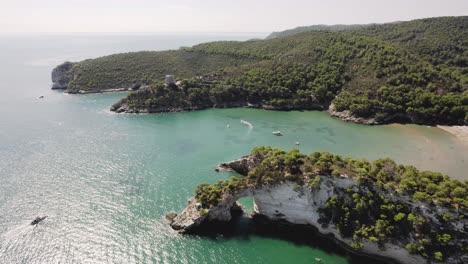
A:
[318, 259]
[297, 143]
[277, 133]
[228, 126]
[38, 220]
[41, 96]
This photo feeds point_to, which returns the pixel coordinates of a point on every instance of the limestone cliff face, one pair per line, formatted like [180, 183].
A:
[62, 75]
[302, 206]
[296, 205]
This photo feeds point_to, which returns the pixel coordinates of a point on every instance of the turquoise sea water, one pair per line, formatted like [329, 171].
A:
[106, 180]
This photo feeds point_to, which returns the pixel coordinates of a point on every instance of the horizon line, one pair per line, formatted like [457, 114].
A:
[133, 32]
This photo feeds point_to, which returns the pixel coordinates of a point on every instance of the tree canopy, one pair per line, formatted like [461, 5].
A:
[411, 71]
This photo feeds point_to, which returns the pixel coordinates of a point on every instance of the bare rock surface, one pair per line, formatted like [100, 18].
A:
[62, 75]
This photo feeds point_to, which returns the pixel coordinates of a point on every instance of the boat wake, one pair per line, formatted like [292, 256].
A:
[247, 124]
[17, 233]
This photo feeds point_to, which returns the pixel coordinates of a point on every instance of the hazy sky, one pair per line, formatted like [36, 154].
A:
[209, 15]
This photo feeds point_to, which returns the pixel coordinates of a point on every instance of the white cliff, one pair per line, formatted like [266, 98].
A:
[296, 205]
[301, 206]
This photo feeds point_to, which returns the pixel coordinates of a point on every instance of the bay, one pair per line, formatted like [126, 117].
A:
[106, 180]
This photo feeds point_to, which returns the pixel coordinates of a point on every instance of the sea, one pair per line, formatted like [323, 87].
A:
[105, 181]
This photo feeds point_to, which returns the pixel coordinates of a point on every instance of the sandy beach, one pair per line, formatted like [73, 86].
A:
[460, 132]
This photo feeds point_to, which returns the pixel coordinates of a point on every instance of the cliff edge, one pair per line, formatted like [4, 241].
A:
[62, 75]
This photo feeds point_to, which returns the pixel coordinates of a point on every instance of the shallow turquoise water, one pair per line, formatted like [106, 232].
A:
[106, 180]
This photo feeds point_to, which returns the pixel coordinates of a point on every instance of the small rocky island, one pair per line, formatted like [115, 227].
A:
[378, 208]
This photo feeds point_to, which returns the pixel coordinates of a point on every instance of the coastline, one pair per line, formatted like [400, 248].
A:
[461, 132]
[99, 91]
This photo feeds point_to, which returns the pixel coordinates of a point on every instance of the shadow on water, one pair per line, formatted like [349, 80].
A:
[243, 227]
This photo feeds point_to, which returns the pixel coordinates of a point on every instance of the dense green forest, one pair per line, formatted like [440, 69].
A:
[439, 40]
[388, 202]
[413, 71]
[339, 27]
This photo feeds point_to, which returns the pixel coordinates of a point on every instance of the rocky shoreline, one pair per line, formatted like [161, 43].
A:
[348, 117]
[300, 206]
[98, 91]
[123, 107]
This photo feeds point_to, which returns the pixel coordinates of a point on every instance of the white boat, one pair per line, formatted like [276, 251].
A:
[277, 133]
[297, 143]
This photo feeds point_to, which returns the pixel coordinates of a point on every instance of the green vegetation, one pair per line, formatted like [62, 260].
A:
[374, 209]
[414, 71]
[297, 30]
[278, 166]
[427, 37]
[145, 67]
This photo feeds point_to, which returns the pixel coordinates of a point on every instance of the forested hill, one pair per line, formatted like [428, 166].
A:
[411, 71]
[297, 30]
[439, 40]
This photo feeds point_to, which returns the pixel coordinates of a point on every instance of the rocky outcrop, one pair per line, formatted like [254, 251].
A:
[296, 205]
[241, 166]
[62, 75]
[349, 117]
[305, 205]
[189, 218]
